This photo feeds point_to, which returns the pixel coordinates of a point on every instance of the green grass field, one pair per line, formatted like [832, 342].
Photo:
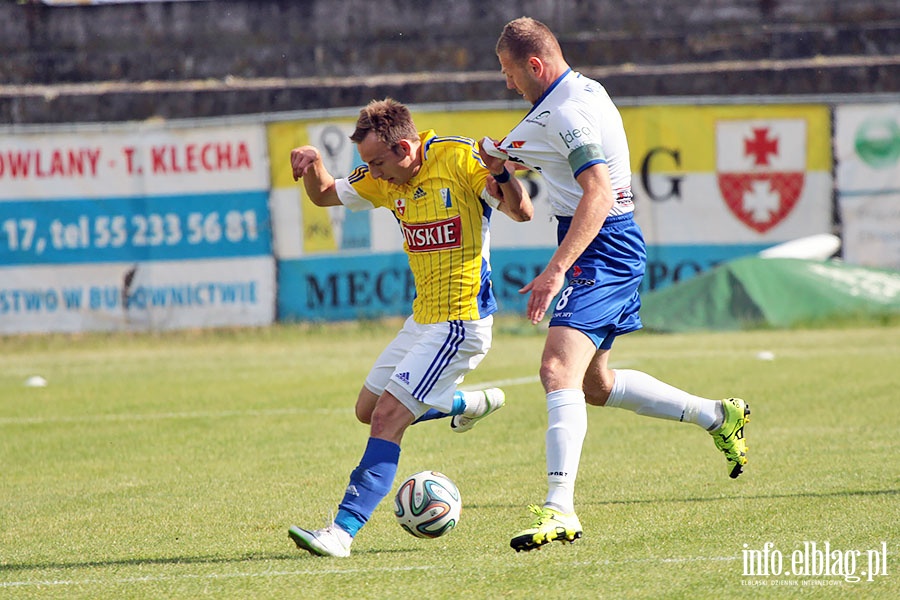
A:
[171, 466]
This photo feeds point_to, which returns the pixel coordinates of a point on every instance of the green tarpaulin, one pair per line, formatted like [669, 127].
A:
[774, 292]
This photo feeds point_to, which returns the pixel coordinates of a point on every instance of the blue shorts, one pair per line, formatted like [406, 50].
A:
[602, 299]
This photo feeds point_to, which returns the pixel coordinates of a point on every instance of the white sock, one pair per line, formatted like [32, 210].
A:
[566, 429]
[646, 395]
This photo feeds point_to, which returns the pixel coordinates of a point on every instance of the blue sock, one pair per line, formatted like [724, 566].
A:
[430, 415]
[370, 482]
[459, 405]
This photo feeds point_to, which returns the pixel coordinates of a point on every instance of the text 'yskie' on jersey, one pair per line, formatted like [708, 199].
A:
[444, 214]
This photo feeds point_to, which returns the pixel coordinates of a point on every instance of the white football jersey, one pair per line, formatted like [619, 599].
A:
[572, 126]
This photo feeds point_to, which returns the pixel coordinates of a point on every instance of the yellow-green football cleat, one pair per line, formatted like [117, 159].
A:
[729, 438]
[550, 525]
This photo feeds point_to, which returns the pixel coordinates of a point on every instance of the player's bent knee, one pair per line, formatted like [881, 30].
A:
[596, 399]
[365, 405]
[390, 419]
[553, 375]
[364, 414]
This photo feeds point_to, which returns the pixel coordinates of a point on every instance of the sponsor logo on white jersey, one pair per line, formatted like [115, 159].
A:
[572, 137]
[539, 118]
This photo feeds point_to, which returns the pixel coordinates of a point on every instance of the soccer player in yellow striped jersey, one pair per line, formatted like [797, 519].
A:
[442, 196]
[442, 213]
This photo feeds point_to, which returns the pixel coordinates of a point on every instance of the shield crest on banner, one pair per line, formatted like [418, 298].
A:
[761, 168]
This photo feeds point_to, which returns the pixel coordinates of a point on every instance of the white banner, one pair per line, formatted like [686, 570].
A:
[182, 210]
[765, 217]
[138, 297]
[867, 150]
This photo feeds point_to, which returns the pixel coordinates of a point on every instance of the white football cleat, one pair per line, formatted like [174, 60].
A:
[493, 401]
[329, 541]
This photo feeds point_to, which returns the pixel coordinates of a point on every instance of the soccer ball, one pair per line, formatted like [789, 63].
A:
[428, 504]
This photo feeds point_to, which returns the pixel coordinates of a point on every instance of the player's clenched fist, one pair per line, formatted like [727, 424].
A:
[302, 159]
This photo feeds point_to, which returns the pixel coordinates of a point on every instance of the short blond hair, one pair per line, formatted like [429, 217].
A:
[525, 37]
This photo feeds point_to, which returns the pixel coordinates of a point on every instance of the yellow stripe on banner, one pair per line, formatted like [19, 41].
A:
[318, 234]
[682, 139]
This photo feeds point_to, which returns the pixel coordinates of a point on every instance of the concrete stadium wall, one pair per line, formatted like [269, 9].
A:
[209, 58]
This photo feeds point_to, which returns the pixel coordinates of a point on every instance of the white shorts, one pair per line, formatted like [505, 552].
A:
[424, 364]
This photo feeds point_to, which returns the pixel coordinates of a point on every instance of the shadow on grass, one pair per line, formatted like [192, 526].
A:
[172, 560]
[189, 560]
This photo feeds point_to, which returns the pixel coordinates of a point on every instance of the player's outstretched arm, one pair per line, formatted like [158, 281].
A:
[306, 164]
[514, 199]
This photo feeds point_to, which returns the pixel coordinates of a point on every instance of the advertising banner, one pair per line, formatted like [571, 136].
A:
[867, 147]
[176, 221]
[371, 285]
[713, 183]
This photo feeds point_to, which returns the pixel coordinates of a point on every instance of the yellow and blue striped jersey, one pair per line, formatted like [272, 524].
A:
[444, 214]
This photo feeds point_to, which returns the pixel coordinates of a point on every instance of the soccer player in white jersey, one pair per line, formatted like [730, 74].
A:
[442, 197]
[574, 137]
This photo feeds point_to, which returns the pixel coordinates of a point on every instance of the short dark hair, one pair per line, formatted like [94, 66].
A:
[388, 119]
[525, 37]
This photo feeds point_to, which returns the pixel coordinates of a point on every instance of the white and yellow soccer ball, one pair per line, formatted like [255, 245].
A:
[427, 504]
